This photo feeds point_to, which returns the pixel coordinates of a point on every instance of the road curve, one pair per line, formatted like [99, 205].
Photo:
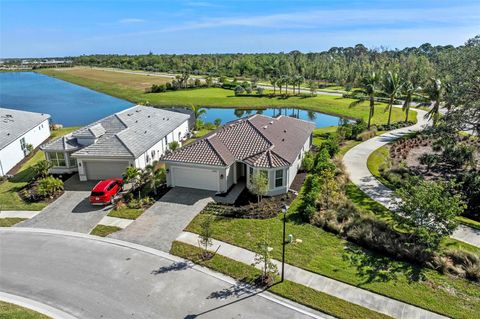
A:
[355, 161]
[90, 277]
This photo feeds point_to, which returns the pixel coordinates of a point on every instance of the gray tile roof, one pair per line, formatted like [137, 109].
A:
[259, 141]
[15, 123]
[128, 133]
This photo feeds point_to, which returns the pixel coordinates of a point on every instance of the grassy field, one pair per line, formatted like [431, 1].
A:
[11, 311]
[9, 198]
[290, 290]
[123, 86]
[324, 253]
[127, 213]
[103, 231]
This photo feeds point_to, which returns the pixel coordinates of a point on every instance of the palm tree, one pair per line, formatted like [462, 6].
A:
[409, 91]
[392, 87]
[273, 82]
[197, 111]
[367, 92]
[435, 93]
[132, 175]
[155, 176]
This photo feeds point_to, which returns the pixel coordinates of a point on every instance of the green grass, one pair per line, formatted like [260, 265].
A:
[469, 222]
[9, 198]
[103, 231]
[11, 311]
[326, 254]
[127, 213]
[216, 97]
[10, 221]
[290, 290]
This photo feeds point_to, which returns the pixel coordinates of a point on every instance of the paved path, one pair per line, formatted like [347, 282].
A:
[367, 299]
[18, 213]
[355, 161]
[160, 225]
[116, 222]
[72, 212]
[92, 277]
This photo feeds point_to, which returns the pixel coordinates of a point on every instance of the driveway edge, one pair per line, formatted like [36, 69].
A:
[264, 294]
[35, 306]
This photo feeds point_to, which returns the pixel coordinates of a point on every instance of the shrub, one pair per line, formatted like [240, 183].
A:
[260, 90]
[331, 144]
[429, 160]
[458, 154]
[366, 135]
[311, 190]
[308, 162]
[322, 162]
[239, 90]
[49, 186]
[41, 168]
[173, 145]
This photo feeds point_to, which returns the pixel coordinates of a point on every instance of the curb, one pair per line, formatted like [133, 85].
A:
[35, 306]
[264, 294]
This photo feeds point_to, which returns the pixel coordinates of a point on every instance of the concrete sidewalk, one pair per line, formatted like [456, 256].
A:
[355, 161]
[364, 298]
[19, 213]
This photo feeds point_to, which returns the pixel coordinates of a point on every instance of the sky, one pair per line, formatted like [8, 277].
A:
[69, 28]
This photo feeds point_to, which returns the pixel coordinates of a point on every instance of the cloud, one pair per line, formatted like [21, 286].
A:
[131, 20]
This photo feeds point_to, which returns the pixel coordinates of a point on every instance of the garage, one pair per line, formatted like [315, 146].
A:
[96, 170]
[201, 178]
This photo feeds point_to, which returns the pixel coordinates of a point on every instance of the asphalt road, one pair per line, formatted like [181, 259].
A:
[90, 278]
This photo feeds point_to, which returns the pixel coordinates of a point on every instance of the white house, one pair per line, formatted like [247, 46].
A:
[19, 130]
[104, 149]
[271, 146]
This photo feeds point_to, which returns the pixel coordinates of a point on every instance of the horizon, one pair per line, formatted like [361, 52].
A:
[62, 29]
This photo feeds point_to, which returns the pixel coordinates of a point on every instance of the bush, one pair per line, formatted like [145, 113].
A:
[311, 190]
[48, 186]
[365, 135]
[308, 162]
[429, 160]
[331, 145]
[260, 91]
[239, 90]
[41, 168]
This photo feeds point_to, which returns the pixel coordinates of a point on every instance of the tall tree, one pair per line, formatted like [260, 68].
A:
[392, 86]
[435, 94]
[367, 92]
[409, 91]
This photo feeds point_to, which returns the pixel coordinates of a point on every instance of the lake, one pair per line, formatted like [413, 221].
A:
[68, 104]
[73, 105]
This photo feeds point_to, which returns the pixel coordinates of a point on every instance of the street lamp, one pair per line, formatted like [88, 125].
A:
[284, 211]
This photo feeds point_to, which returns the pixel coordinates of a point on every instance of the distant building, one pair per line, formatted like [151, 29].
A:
[19, 130]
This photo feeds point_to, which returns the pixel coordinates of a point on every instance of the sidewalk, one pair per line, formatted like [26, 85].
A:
[364, 298]
[355, 161]
[19, 213]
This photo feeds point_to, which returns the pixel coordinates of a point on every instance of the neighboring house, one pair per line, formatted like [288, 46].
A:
[19, 130]
[271, 146]
[104, 149]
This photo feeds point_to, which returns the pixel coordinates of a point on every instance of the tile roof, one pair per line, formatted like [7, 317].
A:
[128, 133]
[258, 140]
[15, 123]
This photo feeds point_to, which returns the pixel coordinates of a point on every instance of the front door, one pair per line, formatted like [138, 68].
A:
[241, 171]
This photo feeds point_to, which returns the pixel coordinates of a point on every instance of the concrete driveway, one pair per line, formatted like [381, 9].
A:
[90, 277]
[72, 211]
[162, 223]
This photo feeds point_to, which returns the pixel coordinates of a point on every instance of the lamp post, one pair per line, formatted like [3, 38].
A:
[284, 211]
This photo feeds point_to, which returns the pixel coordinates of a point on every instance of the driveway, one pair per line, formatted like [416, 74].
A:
[162, 223]
[90, 277]
[71, 211]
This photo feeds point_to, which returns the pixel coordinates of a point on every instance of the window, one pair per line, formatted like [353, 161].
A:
[73, 161]
[57, 159]
[250, 172]
[279, 178]
[23, 145]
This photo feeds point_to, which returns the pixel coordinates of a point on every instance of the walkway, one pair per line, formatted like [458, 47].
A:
[18, 213]
[367, 299]
[92, 277]
[355, 161]
[159, 225]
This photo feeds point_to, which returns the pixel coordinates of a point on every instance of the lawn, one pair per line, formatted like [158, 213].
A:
[217, 97]
[9, 198]
[11, 311]
[290, 290]
[103, 230]
[324, 253]
[10, 221]
[127, 213]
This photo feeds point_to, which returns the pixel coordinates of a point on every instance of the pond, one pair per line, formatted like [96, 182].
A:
[68, 104]
[226, 115]
[73, 105]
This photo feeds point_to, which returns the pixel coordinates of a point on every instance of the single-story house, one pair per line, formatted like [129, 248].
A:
[134, 137]
[234, 152]
[20, 131]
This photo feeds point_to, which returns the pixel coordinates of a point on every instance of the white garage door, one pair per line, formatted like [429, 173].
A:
[104, 169]
[195, 178]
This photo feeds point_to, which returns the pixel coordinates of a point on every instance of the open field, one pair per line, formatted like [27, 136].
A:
[130, 80]
[121, 85]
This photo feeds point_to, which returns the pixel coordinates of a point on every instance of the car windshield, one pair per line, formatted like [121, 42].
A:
[97, 194]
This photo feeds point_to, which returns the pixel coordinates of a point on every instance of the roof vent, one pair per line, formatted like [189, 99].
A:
[285, 131]
[145, 132]
[265, 127]
[136, 121]
[148, 116]
[137, 111]
[283, 140]
[271, 122]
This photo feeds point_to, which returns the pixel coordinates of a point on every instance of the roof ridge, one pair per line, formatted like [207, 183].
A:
[276, 154]
[121, 141]
[216, 152]
[260, 132]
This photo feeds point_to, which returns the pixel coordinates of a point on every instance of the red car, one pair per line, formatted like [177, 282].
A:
[105, 191]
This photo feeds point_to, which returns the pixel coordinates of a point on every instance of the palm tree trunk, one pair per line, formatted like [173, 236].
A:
[372, 105]
[390, 111]
[407, 110]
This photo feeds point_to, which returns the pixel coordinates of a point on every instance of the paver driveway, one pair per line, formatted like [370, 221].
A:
[72, 211]
[161, 224]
